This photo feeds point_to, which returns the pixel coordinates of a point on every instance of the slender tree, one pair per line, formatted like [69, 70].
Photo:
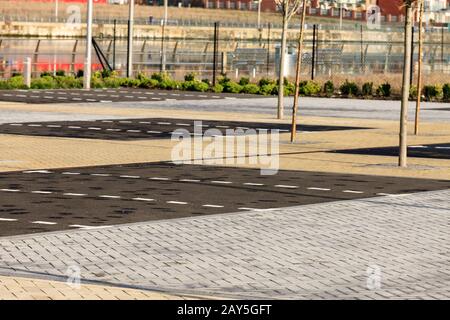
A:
[298, 72]
[287, 8]
[403, 150]
[419, 71]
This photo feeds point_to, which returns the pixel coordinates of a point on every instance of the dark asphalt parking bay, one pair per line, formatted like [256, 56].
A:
[43, 96]
[149, 128]
[90, 197]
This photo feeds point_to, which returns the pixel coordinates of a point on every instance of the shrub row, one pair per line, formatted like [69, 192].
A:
[265, 86]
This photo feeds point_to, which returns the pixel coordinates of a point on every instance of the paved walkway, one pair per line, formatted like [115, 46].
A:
[17, 288]
[309, 106]
[385, 247]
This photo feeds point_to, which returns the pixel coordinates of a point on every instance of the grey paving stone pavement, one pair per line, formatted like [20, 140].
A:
[378, 248]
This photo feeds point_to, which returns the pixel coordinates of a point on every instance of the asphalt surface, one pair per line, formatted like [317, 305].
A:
[92, 197]
[435, 151]
[150, 128]
[110, 95]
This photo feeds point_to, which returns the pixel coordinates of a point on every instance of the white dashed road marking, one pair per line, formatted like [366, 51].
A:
[319, 189]
[286, 186]
[176, 202]
[44, 222]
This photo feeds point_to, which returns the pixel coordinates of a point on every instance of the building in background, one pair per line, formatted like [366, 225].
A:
[436, 11]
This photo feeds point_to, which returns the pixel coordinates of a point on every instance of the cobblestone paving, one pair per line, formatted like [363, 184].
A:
[324, 251]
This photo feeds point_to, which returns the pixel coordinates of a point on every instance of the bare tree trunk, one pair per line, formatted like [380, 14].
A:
[403, 152]
[298, 72]
[419, 71]
[282, 63]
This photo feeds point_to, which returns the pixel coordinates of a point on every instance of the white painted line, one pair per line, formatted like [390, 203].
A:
[78, 99]
[134, 131]
[189, 180]
[145, 122]
[107, 121]
[44, 222]
[94, 128]
[74, 127]
[115, 130]
[35, 125]
[100, 174]
[74, 194]
[6, 219]
[42, 192]
[253, 184]
[319, 189]
[16, 124]
[143, 199]
[183, 124]
[159, 178]
[165, 123]
[392, 194]
[53, 126]
[85, 227]
[154, 132]
[91, 100]
[250, 209]
[125, 121]
[221, 182]
[176, 202]
[109, 197]
[352, 191]
[212, 206]
[105, 101]
[223, 127]
[285, 186]
[71, 173]
[37, 171]
[442, 147]
[130, 177]
[416, 147]
[10, 190]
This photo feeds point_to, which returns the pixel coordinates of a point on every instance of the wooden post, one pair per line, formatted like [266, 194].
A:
[298, 72]
[419, 71]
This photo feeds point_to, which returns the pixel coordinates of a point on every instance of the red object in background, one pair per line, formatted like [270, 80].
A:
[72, 1]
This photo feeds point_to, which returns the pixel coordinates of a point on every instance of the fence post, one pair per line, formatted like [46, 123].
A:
[313, 60]
[27, 72]
[216, 47]
[224, 62]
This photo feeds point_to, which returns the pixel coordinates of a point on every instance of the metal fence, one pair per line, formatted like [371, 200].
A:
[254, 58]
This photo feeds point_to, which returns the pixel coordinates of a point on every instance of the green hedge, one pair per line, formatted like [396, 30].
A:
[265, 86]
